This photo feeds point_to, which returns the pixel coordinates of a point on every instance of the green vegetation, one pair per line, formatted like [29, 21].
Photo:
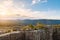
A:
[34, 27]
[38, 26]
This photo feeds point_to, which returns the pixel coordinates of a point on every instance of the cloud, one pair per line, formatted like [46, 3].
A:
[17, 12]
[11, 11]
[37, 1]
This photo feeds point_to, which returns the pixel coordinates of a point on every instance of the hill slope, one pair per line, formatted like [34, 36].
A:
[26, 22]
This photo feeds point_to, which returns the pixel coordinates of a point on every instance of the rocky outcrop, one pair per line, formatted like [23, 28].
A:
[12, 36]
[31, 35]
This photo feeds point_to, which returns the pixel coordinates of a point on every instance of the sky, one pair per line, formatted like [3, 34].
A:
[29, 9]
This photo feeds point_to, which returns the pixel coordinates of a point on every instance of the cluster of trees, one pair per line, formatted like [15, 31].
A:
[56, 26]
[34, 27]
[39, 26]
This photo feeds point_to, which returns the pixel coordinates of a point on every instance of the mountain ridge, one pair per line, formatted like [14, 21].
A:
[29, 21]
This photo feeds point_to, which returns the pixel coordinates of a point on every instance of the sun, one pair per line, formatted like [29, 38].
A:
[6, 9]
[3, 13]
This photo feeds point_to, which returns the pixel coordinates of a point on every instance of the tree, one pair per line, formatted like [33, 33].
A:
[31, 26]
[39, 25]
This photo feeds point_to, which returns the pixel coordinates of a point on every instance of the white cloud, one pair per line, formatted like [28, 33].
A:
[10, 12]
[52, 14]
[37, 1]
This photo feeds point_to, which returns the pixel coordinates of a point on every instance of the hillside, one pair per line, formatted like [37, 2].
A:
[27, 21]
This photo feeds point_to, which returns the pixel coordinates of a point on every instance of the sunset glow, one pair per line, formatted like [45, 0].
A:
[28, 10]
[5, 8]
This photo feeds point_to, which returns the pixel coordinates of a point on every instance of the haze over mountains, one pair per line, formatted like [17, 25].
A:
[29, 21]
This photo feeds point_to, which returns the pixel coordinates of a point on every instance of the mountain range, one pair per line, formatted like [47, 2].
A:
[29, 21]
